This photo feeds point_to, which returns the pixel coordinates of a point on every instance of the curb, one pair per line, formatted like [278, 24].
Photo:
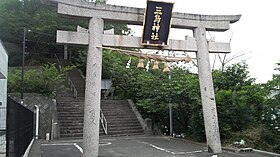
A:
[28, 148]
[234, 150]
[35, 150]
[266, 153]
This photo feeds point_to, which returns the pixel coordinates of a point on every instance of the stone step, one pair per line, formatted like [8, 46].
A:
[69, 124]
[131, 124]
[122, 120]
[71, 128]
[67, 119]
[74, 130]
[70, 103]
[75, 110]
[125, 132]
[114, 101]
[71, 136]
[70, 99]
[71, 131]
[61, 115]
[79, 108]
[71, 121]
[135, 127]
[77, 135]
[70, 106]
[116, 110]
[75, 115]
[115, 125]
[115, 105]
[70, 109]
[119, 115]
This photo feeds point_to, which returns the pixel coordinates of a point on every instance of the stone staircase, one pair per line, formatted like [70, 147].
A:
[70, 117]
[71, 110]
[120, 117]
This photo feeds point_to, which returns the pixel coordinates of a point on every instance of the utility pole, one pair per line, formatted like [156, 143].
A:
[22, 68]
[170, 108]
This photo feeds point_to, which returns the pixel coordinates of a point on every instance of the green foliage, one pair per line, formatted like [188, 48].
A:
[246, 110]
[45, 80]
[271, 114]
[234, 77]
[42, 21]
[153, 91]
[15, 58]
[239, 101]
[259, 138]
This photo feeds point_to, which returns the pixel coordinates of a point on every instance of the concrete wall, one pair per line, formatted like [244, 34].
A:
[3, 85]
[45, 103]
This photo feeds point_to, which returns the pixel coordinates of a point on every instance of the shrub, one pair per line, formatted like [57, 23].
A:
[260, 138]
[45, 80]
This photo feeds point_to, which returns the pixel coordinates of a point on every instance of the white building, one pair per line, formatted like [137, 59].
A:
[3, 85]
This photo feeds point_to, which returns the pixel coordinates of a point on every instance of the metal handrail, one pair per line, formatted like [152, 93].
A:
[103, 122]
[60, 65]
[70, 83]
[72, 86]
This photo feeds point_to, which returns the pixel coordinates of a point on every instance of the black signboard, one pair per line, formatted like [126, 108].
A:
[157, 23]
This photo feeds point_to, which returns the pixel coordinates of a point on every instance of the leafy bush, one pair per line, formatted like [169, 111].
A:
[45, 80]
[259, 138]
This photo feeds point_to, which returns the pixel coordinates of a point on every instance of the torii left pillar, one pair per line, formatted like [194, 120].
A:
[93, 86]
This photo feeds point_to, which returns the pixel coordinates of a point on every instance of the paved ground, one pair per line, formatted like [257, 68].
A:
[137, 146]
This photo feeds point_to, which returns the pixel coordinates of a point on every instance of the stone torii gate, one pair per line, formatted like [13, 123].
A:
[95, 40]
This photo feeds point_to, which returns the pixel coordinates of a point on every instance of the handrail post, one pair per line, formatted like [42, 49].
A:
[37, 121]
[103, 122]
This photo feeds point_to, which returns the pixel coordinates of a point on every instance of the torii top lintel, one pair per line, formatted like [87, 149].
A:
[135, 16]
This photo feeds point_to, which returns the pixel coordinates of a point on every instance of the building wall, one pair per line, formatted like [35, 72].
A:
[3, 85]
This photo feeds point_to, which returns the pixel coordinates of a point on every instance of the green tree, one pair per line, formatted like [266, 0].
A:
[40, 20]
[153, 91]
[272, 109]
[240, 101]
[233, 77]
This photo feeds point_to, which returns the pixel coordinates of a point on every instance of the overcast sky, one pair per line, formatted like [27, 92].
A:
[256, 34]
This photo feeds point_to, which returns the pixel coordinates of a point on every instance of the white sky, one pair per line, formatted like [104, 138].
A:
[256, 33]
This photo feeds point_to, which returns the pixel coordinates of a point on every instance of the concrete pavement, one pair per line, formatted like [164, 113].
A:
[135, 146]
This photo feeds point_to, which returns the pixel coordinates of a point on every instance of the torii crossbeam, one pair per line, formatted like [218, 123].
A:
[95, 39]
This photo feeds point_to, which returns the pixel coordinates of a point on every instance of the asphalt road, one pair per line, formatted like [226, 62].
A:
[137, 146]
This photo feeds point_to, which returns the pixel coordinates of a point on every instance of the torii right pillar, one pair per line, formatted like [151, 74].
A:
[207, 92]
